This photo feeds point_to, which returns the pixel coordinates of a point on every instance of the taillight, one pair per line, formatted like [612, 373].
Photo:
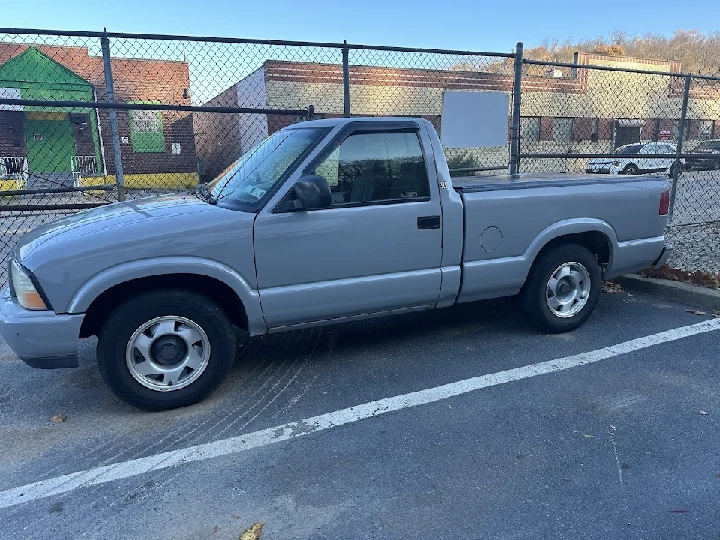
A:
[664, 203]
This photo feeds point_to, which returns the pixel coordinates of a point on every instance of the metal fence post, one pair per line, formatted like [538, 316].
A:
[681, 135]
[114, 132]
[515, 129]
[346, 80]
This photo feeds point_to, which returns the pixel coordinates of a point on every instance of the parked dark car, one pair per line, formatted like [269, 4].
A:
[708, 156]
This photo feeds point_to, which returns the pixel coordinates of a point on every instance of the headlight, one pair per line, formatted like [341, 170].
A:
[27, 294]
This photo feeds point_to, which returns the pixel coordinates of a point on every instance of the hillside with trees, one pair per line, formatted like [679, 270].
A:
[697, 52]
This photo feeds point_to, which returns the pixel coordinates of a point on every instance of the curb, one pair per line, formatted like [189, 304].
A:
[672, 290]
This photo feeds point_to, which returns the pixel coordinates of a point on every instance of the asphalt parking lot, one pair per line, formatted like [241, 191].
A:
[486, 434]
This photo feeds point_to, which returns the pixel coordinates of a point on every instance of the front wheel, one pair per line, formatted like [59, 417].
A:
[562, 289]
[631, 169]
[165, 349]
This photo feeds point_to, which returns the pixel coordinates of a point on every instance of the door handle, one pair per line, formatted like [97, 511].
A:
[428, 222]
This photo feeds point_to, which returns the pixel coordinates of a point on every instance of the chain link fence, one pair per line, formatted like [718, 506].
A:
[90, 118]
[632, 116]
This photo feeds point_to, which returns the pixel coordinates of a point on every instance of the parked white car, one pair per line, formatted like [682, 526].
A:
[635, 163]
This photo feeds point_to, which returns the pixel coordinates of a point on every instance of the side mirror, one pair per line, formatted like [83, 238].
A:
[313, 192]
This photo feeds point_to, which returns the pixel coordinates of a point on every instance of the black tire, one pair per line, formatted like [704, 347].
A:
[129, 316]
[631, 169]
[534, 299]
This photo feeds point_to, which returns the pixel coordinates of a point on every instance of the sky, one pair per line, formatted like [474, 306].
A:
[452, 24]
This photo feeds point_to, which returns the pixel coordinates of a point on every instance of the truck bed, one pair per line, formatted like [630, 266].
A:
[506, 216]
[470, 184]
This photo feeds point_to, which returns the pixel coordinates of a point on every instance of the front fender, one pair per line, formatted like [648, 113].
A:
[121, 273]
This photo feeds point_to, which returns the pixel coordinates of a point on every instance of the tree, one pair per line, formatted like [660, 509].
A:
[610, 50]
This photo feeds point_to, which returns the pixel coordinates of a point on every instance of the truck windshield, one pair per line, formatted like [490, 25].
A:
[247, 181]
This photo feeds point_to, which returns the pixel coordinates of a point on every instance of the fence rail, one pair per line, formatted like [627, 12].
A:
[91, 117]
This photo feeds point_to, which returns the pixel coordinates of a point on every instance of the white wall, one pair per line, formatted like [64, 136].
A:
[251, 92]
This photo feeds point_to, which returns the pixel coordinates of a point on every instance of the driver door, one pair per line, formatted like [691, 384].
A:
[377, 248]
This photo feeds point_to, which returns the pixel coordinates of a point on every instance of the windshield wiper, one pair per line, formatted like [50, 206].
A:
[202, 192]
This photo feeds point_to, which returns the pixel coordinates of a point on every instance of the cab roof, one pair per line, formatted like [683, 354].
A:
[333, 122]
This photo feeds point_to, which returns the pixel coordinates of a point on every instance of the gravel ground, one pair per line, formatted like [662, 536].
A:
[695, 230]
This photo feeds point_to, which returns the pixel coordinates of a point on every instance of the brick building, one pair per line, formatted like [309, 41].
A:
[563, 110]
[43, 146]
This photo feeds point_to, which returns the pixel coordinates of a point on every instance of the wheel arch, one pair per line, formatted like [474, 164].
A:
[105, 290]
[595, 235]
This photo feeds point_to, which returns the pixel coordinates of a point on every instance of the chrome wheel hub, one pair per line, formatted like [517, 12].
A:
[568, 290]
[167, 353]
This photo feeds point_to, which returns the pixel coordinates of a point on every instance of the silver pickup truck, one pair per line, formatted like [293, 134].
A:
[325, 221]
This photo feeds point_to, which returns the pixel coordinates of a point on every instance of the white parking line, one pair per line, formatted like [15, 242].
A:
[234, 445]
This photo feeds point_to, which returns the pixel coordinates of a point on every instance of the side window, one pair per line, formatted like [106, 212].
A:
[376, 167]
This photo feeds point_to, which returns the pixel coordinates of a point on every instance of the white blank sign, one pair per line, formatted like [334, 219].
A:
[474, 119]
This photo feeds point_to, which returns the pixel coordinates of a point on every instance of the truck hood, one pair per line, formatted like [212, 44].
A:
[66, 253]
[99, 219]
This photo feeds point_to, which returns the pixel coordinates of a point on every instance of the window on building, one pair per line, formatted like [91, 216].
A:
[379, 166]
[707, 129]
[530, 128]
[146, 131]
[563, 129]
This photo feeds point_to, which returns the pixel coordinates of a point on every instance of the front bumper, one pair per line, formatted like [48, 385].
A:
[602, 169]
[42, 339]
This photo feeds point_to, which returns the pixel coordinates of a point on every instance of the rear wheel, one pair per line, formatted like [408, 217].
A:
[165, 349]
[631, 169]
[562, 289]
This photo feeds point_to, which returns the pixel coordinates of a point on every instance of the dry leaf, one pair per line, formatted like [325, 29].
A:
[253, 533]
[697, 277]
[696, 312]
[702, 413]
[608, 287]
[588, 436]
[58, 418]
[235, 516]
